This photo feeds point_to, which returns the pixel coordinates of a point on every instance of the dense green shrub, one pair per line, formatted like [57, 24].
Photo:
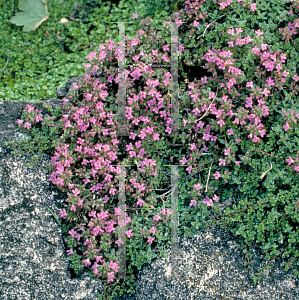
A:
[238, 132]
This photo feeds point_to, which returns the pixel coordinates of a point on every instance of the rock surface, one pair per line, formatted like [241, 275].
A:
[34, 264]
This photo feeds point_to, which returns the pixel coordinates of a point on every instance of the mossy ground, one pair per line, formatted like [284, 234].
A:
[39, 63]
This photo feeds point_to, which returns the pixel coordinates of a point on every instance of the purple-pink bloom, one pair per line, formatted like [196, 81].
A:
[119, 242]
[27, 125]
[290, 160]
[114, 266]
[252, 6]
[62, 213]
[208, 201]
[69, 252]
[20, 122]
[29, 108]
[110, 277]
[216, 198]
[129, 233]
[153, 230]
[259, 32]
[227, 151]
[157, 218]
[150, 240]
[193, 203]
[230, 132]
[198, 186]
[221, 162]
[217, 175]
[76, 192]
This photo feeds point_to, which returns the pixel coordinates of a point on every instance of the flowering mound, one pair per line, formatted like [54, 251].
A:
[249, 146]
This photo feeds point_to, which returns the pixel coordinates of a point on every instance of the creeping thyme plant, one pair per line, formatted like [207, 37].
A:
[238, 132]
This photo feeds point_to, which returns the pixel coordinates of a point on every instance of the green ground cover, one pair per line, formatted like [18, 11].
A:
[39, 63]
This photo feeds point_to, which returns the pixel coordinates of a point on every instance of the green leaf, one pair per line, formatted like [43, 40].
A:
[34, 13]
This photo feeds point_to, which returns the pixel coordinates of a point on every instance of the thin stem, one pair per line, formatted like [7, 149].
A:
[209, 176]
[197, 168]
[164, 194]
[211, 24]
[53, 215]
[264, 174]
[273, 260]
[206, 110]
[6, 61]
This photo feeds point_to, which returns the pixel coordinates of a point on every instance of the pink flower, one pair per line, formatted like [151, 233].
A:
[86, 262]
[266, 92]
[153, 230]
[155, 52]
[227, 151]
[193, 203]
[113, 266]
[252, 6]
[264, 47]
[119, 242]
[230, 44]
[181, 48]
[110, 277]
[239, 30]
[168, 212]
[183, 160]
[216, 198]
[140, 202]
[129, 233]
[62, 213]
[157, 218]
[286, 127]
[221, 123]
[27, 125]
[208, 201]
[179, 22]
[193, 147]
[135, 16]
[221, 162]
[29, 108]
[197, 186]
[258, 32]
[69, 252]
[217, 175]
[290, 160]
[150, 240]
[166, 47]
[73, 208]
[270, 81]
[38, 118]
[231, 31]
[76, 192]
[20, 122]
[230, 132]
[212, 95]
[223, 5]
[249, 84]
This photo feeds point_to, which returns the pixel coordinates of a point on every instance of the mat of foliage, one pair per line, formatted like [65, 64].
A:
[238, 130]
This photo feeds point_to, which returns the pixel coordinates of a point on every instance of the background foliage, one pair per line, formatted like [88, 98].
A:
[39, 62]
